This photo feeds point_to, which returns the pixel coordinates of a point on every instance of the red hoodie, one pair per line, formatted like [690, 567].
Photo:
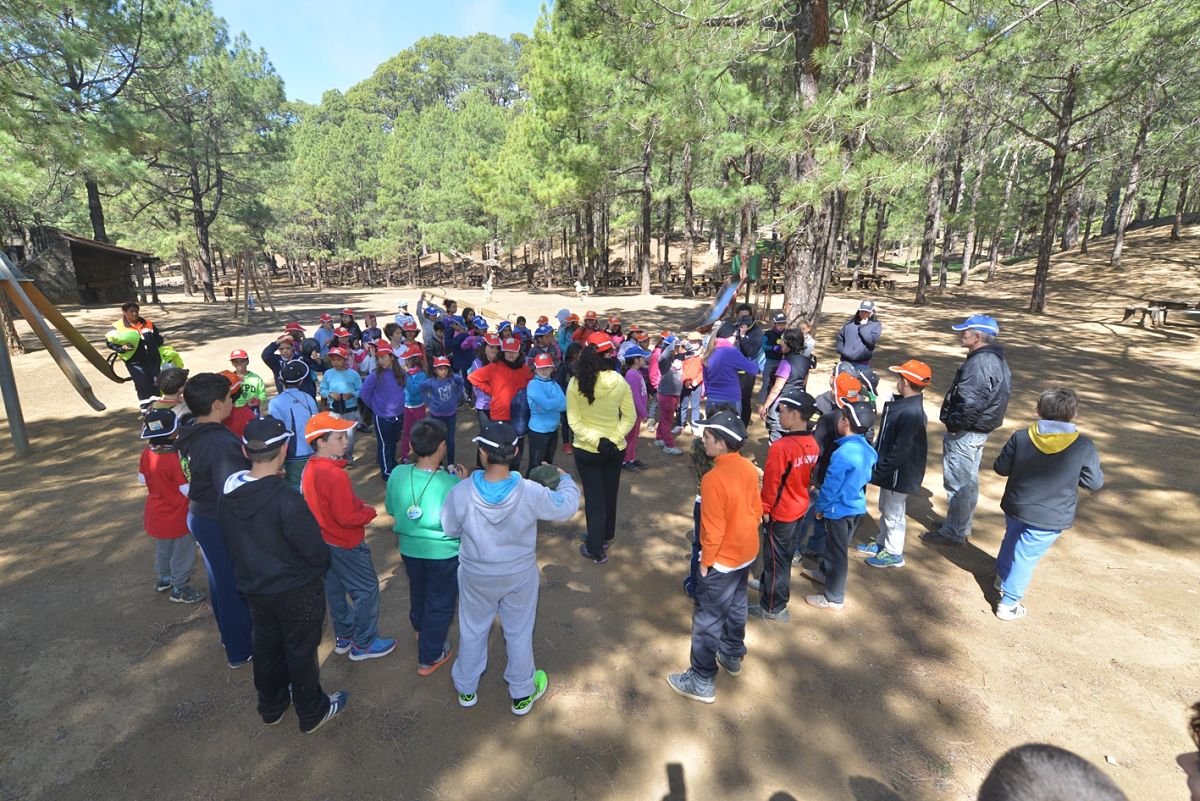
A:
[238, 418]
[502, 383]
[340, 513]
[795, 453]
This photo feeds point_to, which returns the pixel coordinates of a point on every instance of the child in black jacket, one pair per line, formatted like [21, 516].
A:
[279, 560]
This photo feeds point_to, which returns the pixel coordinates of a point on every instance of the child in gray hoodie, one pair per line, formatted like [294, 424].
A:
[495, 515]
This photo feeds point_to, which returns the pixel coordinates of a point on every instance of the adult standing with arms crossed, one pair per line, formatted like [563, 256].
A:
[973, 408]
[748, 338]
[857, 340]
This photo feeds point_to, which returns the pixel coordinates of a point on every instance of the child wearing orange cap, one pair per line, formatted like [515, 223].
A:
[340, 388]
[241, 414]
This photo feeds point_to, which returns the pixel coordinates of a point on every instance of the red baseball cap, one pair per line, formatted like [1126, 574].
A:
[384, 348]
[572, 318]
[408, 325]
[341, 353]
[614, 320]
[543, 360]
[511, 345]
[326, 317]
[348, 311]
[294, 327]
[341, 332]
[641, 336]
[413, 349]
[441, 361]
[601, 342]
[238, 354]
[589, 315]
[491, 339]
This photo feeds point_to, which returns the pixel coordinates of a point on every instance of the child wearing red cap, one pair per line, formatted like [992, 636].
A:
[346, 321]
[442, 393]
[502, 380]
[414, 396]
[340, 387]
[254, 389]
[547, 404]
[342, 516]
[165, 517]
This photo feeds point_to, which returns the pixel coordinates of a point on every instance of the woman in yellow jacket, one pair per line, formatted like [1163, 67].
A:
[600, 412]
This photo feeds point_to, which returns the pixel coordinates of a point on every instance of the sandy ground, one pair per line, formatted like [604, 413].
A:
[109, 691]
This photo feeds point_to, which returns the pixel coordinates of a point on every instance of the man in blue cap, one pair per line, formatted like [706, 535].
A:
[973, 408]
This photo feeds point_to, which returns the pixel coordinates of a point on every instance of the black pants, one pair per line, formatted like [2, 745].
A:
[835, 563]
[746, 381]
[432, 593]
[541, 448]
[482, 418]
[719, 621]
[779, 543]
[145, 377]
[600, 476]
[287, 631]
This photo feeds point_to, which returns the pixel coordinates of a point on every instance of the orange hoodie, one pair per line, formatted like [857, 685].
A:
[330, 496]
[730, 511]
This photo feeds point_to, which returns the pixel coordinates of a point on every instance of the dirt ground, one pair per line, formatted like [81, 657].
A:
[109, 691]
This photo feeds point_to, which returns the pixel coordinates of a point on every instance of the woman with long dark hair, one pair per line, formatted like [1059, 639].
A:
[601, 413]
[383, 392]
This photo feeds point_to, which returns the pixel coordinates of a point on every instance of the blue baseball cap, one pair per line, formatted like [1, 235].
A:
[542, 330]
[479, 322]
[456, 319]
[432, 312]
[979, 322]
[634, 352]
[669, 342]
[502, 325]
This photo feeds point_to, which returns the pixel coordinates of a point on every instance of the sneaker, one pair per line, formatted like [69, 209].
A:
[342, 645]
[629, 467]
[379, 647]
[938, 538]
[658, 443]
[425, 670]
[601, 559]
[467, 699]
[521, 706]
[732, 664]
[567, 448]
[639, 464]
[187, 596]
[865, 549]
[673, 451]
[689, 685]
[808, 553]
[814, 574]
[885, 559]
[677, 429]
[337, 703]
[162, 585]
[1011, 612]
[760, 612]
[998, 583]
[279, 717]
[821, 602]
[754, 584]
[242, 664]
[797, 559]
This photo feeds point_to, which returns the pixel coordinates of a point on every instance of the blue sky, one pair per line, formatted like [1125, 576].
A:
[317, 45]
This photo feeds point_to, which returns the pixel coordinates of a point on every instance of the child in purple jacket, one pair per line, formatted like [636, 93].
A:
[635, 360]
[443, 392]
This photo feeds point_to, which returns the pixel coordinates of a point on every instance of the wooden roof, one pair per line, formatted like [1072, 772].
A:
[106, 246]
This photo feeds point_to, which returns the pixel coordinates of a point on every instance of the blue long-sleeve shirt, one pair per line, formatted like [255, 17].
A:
[547, 402]
[294, 407]
[413, 396]
[383, 394]
[443, 394]
[459, 359]
[341, 381]
[721, 374]
[844, 492]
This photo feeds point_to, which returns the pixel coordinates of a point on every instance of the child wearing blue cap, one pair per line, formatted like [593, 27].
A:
[635, 360]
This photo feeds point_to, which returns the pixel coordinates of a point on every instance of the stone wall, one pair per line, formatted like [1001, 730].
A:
[53, 272]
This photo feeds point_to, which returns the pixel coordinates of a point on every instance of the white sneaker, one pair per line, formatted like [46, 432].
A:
[658, 442]
[821, 602]
[673, 451]
[1011, 612]
[676, 429]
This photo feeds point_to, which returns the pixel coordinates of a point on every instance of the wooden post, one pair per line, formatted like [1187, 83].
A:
[244, 270]
[237, 290]
[265, 291]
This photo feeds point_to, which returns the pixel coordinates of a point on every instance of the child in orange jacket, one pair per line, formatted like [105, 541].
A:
[342, 516]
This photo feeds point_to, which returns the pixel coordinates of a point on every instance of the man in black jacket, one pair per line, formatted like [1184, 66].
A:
[749, 340]
[280, 560]
[972, 409]
[857, 339]
[902, 448]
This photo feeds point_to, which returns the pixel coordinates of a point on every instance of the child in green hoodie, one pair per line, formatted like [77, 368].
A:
[415, 495]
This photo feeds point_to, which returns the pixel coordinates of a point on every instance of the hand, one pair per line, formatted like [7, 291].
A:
[456, 470]
[703, 570]
[820, 515]
[766, 519]
[762, 412]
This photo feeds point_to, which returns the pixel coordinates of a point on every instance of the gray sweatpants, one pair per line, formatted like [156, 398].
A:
[175, 559]
[480, 599]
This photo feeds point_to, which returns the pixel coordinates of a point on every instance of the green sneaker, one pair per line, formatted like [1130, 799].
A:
[521, 706]
[467, 699]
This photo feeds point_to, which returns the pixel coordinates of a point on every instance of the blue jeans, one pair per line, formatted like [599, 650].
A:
[451, 423]
[432, 593]
[961, 454]
[229, 606]
[1019, 554]
[352, 573]
[689, 408]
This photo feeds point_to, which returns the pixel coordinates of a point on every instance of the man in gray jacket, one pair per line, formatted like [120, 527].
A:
[972, 409]
[1045, 465]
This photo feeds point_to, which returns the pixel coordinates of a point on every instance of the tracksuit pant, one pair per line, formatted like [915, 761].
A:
[387, 434]
[892, 525]
[600, 476]
[719, 620]
[779, 543]
[228, 605]
[541, 447]
[432, 593]
[835, 564]
[411, 415]
[451, 424]
[175, 560]
[480, 598]
[1020, 552]
[668, 407]
[288, 628]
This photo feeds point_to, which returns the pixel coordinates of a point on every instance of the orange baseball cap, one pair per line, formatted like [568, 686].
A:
[600, 341]
[325, 423]
[846, 389]
[614, 320]
[543, 320]
[915, 371]
[235, 381]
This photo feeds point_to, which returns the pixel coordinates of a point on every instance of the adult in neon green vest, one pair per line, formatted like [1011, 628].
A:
[137, 341]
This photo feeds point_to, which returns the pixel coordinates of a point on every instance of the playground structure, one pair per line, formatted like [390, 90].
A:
[37, 309]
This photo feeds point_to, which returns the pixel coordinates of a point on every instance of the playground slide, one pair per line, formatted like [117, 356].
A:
[720, 304]
[51, 313]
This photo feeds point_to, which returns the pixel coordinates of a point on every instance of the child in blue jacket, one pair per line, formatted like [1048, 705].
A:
[547, 402]
[843, 501]
[340, 388]
[442, 395]
[414, 395]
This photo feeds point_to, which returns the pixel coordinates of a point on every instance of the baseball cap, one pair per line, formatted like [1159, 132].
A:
[496, 435]
[325, 423]
[695, 336]
[327, 317]
[503, 325]
[589, 315]
[159, 423]
[264, 434]
[457, 320]
[348, 312]
[727, 423]
[542, 330]
[861, 413]
[479, 322]
[384, 348]
[867, 306]
[915, 371]
[543, 320]
[293, 327]
[432, 311]
[491, 339]
[543, 360]
[294, 372]
[846, 389]
[669, 341]
[635, 351]
[571, 318]
[339, 352]
[413, 349]
[408, 325]
[614, 320]
[979, 322]
[235, 381]
[238, 353]
[601, 342]
[403, 304]
[341, 332]
[779, 318]
[510, 345]
[441, 361]
[799, 399]
[641, 336]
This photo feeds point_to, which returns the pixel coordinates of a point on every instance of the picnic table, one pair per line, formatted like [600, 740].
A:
[1156, 310]
[864, 282]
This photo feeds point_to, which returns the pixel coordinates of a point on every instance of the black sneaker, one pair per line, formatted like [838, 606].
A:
[187, 596]
[162, 585]
[732, 664]
[337, 703]
[640, 465]
[600, 560]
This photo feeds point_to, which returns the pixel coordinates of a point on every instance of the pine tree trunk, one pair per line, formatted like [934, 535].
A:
[95, 209]
[1162, 195]
[589, 216]
[185, 267]
[201, 223]
[1054, 191]
[1087, 227]
[665, 234]
[647, 207]
[1177, 226]
[862, 238]
[1112, 205]
[877, 237]
[973, 222]
[689, 225]
[956, 193]
[933, 220]
[1131, 189]
[994, 244]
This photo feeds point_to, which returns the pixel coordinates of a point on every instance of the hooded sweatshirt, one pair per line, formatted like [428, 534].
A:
[272, 537]
[498, 528]
[610, 417]
[1045, 465]
[721, 374]
[843, 494]
[330, 496]
[383, 394]
[502, 380]
[546, 402]
[213, 454]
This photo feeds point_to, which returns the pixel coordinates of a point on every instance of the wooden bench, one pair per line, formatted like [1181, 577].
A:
[1157, 315]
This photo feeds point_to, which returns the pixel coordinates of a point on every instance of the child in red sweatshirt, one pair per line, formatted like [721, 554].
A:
[165, 518]
[342, 516]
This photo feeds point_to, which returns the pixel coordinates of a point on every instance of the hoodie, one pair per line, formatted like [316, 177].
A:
[1045, 465]
[721, 369]
[502, 380]
[843, 493]
[383, 394]
[330, 496]
[272, 537]
[547, 402]
[610, 417]
[499, 536]
[213, 454]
